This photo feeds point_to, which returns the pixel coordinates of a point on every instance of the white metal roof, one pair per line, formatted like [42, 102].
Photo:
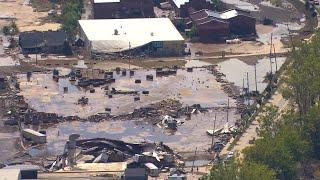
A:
[229, 14]
[178, 3]
[225, 15]
[105, 1]
[131, 33]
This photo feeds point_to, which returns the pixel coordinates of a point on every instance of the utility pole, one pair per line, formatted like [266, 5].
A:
[228, 111]
[275, 57]
[270, 55]
[248, 82]
[214, 128]
[129, 56]
[293, 48]
[248, 89]
[255, 77]
[243, 93]
[194, 159]
[36, 52]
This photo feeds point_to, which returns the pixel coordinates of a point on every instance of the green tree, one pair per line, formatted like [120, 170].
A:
[234, 170]
[281, 150]
[71, 13]
[193, 32]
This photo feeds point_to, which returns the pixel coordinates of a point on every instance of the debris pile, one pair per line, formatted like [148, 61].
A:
[229, 88]
[102, 150]
[83, 100]
[222, 136]
[169, 122]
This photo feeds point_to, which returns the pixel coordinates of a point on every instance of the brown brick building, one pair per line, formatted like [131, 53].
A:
[214, 26]
[115, 9]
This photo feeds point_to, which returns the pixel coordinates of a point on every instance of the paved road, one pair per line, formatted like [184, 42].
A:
[276, 100]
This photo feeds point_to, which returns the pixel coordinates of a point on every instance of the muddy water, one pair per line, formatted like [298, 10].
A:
[198, 87]
[236, 71]
[184, 86]
[191, 134]
[279, 31]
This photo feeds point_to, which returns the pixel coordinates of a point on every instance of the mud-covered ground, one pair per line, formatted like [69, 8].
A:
[197, 87]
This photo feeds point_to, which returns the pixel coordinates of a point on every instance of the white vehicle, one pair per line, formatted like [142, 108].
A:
[233, 41]
[230, 155]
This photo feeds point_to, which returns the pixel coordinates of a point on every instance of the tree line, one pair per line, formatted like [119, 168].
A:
[71, 13]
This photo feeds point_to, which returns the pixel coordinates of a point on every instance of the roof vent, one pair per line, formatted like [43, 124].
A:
[116, 32]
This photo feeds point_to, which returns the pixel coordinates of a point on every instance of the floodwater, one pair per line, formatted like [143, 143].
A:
[197, 87]
[191, 134]
[236, 72]
[279, 31]
[189, 88]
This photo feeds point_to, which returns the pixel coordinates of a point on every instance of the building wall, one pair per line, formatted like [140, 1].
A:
[144, 7]
[213, 31]
[124, 9]
[105, 10]
[87, 43]
[170, 48]
[242, 25]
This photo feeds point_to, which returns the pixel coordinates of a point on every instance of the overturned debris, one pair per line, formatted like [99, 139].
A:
[34, 136]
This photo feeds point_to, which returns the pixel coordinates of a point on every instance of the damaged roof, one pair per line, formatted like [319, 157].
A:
[203, 16]
[36, 39]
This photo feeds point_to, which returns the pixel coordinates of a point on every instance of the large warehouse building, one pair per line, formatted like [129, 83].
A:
[150, 36]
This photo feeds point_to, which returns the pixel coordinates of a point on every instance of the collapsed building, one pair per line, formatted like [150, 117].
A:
[182, 7]
[215, 26]
[149, 36]
[79, 152]
[115, 9]
[54, 42]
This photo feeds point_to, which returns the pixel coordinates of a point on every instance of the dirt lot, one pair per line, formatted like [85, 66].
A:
[25, 16]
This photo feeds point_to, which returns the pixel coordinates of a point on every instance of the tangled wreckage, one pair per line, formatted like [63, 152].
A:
[90, 152]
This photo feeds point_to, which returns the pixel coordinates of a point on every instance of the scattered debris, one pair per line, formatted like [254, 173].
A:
[83, 100]
[34, 136]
